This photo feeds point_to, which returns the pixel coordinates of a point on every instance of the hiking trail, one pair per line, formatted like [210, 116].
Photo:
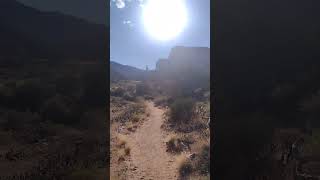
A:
[149, 159]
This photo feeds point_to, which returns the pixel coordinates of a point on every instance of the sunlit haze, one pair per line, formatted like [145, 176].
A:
[144, 31]
[164, 19]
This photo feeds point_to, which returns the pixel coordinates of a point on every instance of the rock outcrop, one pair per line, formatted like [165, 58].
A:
[186, 59]
[186, 67]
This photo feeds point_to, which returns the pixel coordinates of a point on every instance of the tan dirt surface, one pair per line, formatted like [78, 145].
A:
[148, 156]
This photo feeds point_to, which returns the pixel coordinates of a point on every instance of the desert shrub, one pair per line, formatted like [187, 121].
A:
[128, 97]
[161, 101]
[203, 163]
[142, 89]
[5, 94]
[135, 118]
[170, 100]
[181, 110]
[171, 143]
[53, 129]
[86, 174]
[67, 85]
[311, 106]
[284, 98]
[174, 144]
[90, 146]
[138, 108]
[312, 143]
[18, 120]
[124, 148]
[127, 150]
[60, 109]
[131, 89]
[198, 94]
[131, 127]
[5, 138]
[121, 158]
[95, 87]
[118, 92]
[122, 140]
[29, 94]
[148, 97]
[187, 140]
[184, 166]
[4, 90]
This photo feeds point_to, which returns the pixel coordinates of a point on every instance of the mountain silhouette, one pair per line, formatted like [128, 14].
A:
[125, 72]
[28, 32]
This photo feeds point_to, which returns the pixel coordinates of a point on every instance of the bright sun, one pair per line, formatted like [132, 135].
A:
[165, 19]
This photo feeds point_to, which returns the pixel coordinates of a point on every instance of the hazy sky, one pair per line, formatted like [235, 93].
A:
[129, 42]
[131, 45]
[93, 10]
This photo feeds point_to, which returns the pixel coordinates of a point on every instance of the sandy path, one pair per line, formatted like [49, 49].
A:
[149, 159]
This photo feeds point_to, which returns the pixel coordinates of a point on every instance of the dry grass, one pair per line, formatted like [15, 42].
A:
[184, 165]
[88, 174]
[199, 177]
[127, 150]
[114, 178]
[178, 143]
[172, 142]
[121, 158]
[132, 127]
[124, 146]
[203, 160]
[122, 140]
[121, 155]
[181, 111]
[171, 137]
[135, 119]
[161, 101]
[199, 143]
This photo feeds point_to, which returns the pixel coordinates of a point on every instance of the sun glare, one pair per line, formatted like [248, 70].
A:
[164, 19]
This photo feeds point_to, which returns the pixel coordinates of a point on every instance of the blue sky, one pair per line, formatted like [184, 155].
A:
[130, 44]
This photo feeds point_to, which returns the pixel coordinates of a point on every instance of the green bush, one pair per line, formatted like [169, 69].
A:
[181, 110]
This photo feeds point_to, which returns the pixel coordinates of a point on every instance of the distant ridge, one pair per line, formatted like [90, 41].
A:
[28, 32]
[125, 72]
[183, 64]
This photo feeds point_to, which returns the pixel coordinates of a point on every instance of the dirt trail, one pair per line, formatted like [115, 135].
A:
[149, 159]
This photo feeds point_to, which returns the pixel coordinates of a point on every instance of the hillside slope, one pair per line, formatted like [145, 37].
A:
[125, 72]
[28, 32]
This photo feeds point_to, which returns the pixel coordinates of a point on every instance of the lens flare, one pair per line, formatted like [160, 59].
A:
[164, 19]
